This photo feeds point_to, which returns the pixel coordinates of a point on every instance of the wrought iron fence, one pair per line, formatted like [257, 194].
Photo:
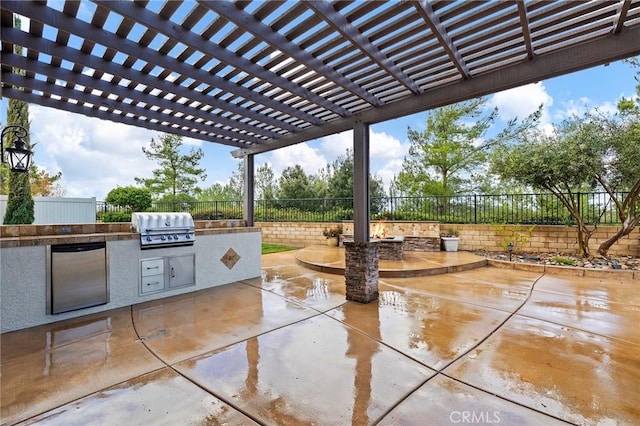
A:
[542, 209]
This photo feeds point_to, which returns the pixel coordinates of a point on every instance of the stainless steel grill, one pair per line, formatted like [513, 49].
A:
[164, 229]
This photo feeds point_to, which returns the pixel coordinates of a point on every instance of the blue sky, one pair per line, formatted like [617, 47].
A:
[95, 156]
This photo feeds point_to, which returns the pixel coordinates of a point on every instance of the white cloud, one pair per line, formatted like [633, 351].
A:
[389, 170]
[310, 159]
[522, 101]
[381, 145]
[93, 155]
[337, 144]
[386, 152]
[582, 105]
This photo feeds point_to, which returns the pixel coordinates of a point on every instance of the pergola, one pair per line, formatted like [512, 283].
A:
[261, 75]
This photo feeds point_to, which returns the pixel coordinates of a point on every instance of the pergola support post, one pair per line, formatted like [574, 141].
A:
[361, 255]
[248, 190]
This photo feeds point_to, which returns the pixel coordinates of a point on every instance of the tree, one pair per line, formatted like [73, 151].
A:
[617, 167]
[295, 185]
[42, 182]
[596, 151]
[548, 162]
[442, 158]
[219, 192]
[130, 197]
[447, 147]
[581, 154]
[178, 173]
[236, 182]
[20, 206]
[265, 183]
[340, 182]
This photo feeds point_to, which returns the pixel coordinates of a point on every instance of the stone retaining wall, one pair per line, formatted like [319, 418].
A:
[543, 238]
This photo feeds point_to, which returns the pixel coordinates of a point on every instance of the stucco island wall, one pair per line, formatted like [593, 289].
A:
[23, 274]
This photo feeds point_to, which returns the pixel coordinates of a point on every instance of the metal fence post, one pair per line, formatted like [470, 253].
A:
[475, 209]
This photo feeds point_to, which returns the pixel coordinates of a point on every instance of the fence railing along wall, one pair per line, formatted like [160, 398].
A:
[540, 209]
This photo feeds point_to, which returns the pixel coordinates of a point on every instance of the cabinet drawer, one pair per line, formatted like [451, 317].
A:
[150, 267]
[152, 283]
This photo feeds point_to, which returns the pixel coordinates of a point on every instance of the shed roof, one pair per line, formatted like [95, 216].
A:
[260, 75]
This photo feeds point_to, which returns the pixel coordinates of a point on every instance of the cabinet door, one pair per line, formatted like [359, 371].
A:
[182, 270]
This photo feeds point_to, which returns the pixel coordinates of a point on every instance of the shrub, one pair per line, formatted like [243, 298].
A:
[564, 261]
[116, 217]
[131, 197]
[519, 236]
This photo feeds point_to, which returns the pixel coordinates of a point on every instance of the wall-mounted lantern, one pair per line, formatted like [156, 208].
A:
[18, 156]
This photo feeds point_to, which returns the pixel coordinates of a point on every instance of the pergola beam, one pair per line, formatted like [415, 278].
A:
[526, 31]
[96, 113]
[50, 48]
[169, 29]
[74, 26]
[247, 22]
[339, 23]
[622, 16]
[433, 22]
[201, 131]
[123, 92]
[575, 58]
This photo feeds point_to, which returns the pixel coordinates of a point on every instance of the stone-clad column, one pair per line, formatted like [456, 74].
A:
[361, 271]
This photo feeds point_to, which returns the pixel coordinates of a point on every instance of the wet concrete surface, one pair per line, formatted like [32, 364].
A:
[50, 365]
[483, 346]
[161, 397]
[413, 264]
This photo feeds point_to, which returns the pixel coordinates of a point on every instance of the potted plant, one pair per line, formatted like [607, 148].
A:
[450, 239]
[332, 234]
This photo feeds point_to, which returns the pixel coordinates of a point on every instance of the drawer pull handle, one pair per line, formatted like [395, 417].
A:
[153, 267]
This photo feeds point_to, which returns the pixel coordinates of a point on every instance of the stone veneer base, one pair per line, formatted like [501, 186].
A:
[361, 271]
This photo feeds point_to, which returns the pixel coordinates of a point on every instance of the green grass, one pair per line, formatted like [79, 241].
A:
[275, 248]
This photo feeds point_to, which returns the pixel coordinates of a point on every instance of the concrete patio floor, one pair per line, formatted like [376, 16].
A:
[482, 346]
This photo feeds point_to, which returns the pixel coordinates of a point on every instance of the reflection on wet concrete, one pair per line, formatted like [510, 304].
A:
[162, 397]
[574, 375]
[195, 323]
[68, 360]
[610, 290]
[314, 371]
[317, 290]
[617, 320]
[490, 287]
[432, 330]
[413, 264]
[444, 401]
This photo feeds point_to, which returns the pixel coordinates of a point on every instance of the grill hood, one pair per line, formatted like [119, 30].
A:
[164, 229]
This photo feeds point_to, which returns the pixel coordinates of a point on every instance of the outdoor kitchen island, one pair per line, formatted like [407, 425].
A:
[222, 252]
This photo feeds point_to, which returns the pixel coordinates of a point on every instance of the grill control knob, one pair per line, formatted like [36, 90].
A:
[148, 237]
[175, 237]
[162, 237]
[187, 236]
